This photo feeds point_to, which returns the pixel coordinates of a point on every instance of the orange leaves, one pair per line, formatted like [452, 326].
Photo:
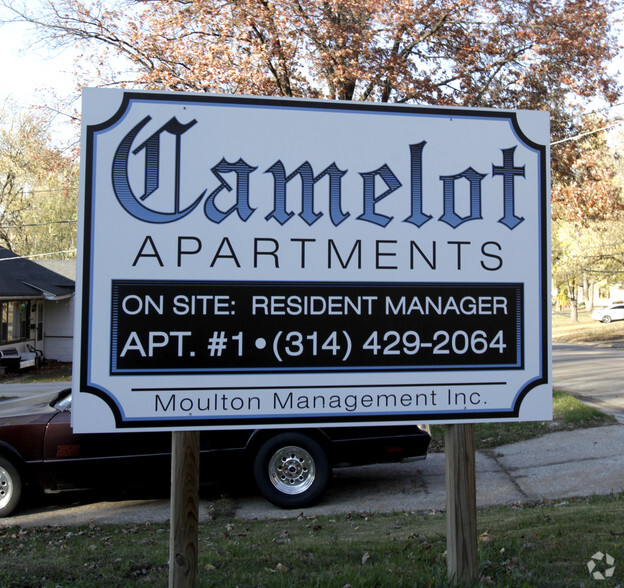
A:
[499, 53]
[585, 186]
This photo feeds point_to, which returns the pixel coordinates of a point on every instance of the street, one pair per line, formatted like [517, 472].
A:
[595, 374]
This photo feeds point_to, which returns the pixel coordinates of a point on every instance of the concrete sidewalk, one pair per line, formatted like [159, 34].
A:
[17, 390]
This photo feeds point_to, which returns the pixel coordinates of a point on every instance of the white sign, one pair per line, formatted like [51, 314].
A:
[255, 262]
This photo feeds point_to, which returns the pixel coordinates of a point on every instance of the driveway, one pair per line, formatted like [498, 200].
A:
[557, 466]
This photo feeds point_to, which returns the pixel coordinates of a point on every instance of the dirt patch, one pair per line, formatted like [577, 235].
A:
[50, 371]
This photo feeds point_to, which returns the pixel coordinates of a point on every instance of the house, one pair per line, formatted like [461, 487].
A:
[36, 307]
[601, 295]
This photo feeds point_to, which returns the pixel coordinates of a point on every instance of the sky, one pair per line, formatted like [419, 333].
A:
[25, 70]
[29, 72]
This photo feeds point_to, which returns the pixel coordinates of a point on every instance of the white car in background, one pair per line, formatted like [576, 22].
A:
[613, 312]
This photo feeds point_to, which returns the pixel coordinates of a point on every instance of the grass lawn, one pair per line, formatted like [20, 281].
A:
[585, 330]
[541, 545]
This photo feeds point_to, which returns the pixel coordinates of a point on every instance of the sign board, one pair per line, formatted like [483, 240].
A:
[256, 262]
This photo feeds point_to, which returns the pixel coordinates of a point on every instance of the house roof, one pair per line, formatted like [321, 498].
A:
[64, 267]
[25, 279]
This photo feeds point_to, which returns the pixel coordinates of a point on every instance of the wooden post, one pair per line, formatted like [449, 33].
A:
[184, 534]
[461, 503]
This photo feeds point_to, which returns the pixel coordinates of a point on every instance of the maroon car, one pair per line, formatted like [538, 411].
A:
[290, 467]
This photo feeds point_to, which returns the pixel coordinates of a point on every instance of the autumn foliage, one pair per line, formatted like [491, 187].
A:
[503, 53]
[520, 54]
[588, 191]
[38, 188]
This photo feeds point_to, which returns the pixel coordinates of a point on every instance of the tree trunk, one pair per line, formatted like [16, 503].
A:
[588, 287]
[573, 301]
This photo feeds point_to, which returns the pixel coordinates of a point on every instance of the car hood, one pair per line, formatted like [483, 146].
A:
[37, 404]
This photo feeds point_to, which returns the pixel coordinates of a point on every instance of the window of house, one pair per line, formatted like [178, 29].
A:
[14, 321]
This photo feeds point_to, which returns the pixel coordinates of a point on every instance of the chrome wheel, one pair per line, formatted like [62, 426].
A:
[292, 470]
[6, 488]
[10, 487]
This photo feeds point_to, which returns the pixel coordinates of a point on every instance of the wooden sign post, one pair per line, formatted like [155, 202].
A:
[183, 545]
[461, 503]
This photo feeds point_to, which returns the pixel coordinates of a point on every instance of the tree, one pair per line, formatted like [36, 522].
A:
[584, 256]
[503, 53]
[528, 54]
[38, 188]
[587, 210]
[586, 186]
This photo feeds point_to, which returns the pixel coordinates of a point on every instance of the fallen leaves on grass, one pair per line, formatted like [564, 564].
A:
[278, 569]
[486, 537]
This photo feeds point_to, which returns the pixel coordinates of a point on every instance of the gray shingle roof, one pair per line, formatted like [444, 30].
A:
[22, 278]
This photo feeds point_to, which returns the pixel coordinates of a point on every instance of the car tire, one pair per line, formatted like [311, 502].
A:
[10, 487]
[291, 470]
[606, 319]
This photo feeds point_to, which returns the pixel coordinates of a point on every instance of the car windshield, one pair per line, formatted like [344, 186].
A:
[63, 401]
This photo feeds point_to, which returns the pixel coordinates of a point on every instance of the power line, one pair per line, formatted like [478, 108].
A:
[601, 246]
[603, 109]
[49, 191]
[580, 135]
[38, 255]
[38, 224]
[592, 271]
